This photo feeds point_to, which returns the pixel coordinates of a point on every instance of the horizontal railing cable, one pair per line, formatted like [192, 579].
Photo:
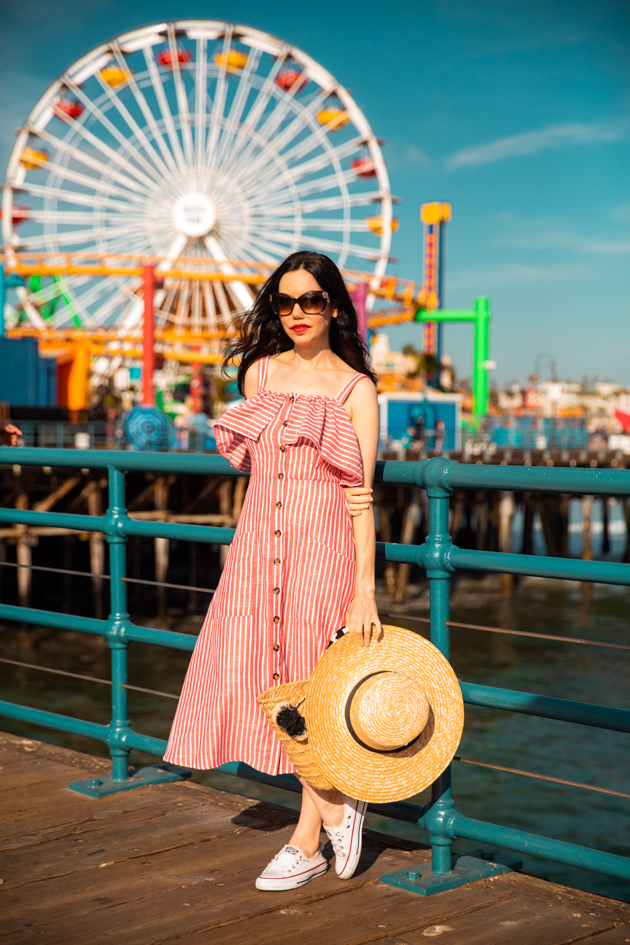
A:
[516, 633]
[107, 577]
[40, 567]
[541, 777]
[469, 761]
[96, 679]
[181, 587]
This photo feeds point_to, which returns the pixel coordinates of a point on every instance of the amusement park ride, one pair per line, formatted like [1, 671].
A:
[168, 171]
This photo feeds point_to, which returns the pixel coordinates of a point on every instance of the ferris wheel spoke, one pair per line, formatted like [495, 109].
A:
[72, 305]
[340, 201]
[167, 162]
[132, 124]
[74, 197]
[165, 111]
[30, 309]
[281, 138]
[101, 118]
[112, 301]
[66, 147]
[201, 84]
[218, 108]
[255, 251]
[208, 299]
[330, 182]
[93, 183]
[280, 250]
[182, 99]
[238, 104]
[77, 217]
[224, 305]
[272, 119]
[330, 156]
[239, 290]
[259, 106]
[333, 225]
[77, 237]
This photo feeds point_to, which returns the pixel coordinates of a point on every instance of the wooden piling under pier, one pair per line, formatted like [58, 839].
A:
[177, 863]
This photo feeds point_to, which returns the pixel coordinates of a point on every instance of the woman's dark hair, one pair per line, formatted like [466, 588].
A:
[261, 334]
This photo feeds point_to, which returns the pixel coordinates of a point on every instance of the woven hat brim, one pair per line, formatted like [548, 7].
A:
[356, 770]
[300, 753]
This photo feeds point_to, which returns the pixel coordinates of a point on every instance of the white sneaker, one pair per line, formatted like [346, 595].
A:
[347, 837]
[291, 868]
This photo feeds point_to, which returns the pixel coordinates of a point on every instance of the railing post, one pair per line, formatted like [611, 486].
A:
[117, 619]
[119, 728]
[438, 546]
[437, 818]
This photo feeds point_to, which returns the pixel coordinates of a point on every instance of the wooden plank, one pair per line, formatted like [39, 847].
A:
[201, 886]
[164, 831]
[616, 936]
[16, 748]
[21, 774]
[41, 814]
[358, 915]
[518, 920]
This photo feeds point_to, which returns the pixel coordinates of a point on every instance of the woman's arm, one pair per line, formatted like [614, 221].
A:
[362, 615]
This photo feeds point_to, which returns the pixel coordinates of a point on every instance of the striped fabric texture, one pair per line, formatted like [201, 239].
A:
[288, 578]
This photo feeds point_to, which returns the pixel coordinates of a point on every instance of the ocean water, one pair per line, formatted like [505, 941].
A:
[565, 670]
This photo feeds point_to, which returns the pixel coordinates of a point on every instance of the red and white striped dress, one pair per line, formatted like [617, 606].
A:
[288, 579]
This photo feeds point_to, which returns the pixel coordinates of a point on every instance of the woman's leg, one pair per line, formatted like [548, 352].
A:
[317, 807]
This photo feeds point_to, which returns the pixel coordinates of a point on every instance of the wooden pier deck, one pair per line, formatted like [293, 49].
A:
[176, 863]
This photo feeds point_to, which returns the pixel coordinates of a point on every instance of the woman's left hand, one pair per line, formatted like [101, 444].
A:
[359, 498]
[362, 618]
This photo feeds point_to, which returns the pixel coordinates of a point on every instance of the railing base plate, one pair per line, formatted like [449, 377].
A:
[477, 864]
[154, 774]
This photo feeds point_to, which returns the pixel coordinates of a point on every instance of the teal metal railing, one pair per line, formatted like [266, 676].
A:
[437, 556]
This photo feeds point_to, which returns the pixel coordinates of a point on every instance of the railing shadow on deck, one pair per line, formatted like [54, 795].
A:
[437, 556]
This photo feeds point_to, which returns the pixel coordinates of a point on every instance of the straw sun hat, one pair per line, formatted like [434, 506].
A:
[379, 723]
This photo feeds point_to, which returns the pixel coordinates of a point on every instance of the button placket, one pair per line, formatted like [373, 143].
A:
[278, 548]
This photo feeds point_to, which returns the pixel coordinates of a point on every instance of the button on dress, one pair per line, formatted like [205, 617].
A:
[288, 578]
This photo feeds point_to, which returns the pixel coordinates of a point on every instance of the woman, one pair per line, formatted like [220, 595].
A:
[301, 565]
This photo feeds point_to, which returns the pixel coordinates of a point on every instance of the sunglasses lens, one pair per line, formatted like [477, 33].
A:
[313, 303]
[281, 304]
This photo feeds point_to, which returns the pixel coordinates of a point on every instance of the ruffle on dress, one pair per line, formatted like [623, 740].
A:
[321, 420]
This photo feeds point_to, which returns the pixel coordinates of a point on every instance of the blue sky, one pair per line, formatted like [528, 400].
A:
[517, 113]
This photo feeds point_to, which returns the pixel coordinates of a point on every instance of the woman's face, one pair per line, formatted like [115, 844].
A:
[304, 330]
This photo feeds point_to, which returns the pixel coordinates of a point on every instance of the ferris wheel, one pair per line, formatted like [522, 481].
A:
[187, 140]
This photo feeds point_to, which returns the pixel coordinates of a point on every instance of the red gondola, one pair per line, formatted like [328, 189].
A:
[165, 58]
[290, 78]
[364, 167]
[18, 214]
[68, 108]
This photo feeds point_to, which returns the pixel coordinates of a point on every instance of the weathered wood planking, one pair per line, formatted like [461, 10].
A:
[178, 862]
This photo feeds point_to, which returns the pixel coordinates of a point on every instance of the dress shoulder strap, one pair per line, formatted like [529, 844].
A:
[345, 391]
[262, 373]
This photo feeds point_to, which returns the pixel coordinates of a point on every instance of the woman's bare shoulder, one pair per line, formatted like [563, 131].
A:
[250, 383]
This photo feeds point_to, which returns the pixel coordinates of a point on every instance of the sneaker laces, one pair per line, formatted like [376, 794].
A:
[286, 858]
[335, 835]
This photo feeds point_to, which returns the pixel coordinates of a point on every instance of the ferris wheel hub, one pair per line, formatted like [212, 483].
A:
[194, 215]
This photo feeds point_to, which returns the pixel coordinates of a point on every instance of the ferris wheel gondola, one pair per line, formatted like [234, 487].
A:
[193, 139]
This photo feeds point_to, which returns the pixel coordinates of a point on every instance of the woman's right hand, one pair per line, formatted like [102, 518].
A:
[359, 498]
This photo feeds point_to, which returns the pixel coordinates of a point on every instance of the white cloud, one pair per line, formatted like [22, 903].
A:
[565, 240]
[621, 213]
[532, 142]
[514, 274]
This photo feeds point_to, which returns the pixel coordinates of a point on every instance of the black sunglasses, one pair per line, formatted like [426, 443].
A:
[311, 303]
